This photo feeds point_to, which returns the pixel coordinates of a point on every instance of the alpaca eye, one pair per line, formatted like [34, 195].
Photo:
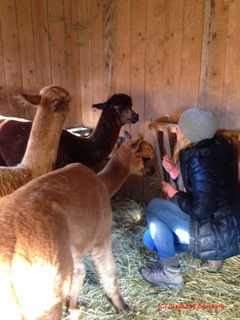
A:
[146, 160]
[118, 109]
[58, 104]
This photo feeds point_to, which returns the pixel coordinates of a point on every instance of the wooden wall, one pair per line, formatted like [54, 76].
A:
[167, 54]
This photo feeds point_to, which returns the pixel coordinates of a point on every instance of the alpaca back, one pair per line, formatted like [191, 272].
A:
[79, 195]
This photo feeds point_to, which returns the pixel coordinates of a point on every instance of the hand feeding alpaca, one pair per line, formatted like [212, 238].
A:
[48, 226]
[41, 152]
[116, 112]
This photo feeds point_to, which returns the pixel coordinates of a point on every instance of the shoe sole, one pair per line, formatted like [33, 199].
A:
[173, 286]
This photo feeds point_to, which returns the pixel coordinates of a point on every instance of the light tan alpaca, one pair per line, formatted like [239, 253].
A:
[47, 227]
[42, 147]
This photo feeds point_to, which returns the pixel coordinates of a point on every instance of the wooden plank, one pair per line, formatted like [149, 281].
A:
[73, 81]
[173, 53]
[41, 43]
[154, 64]
[123, 46]
[99, 92]
[85, 28]
[216, 17]
[4, 106]
[138, 48]
[109, 45]
[10, 49]
[205, 51]
[191, 54]
[123, 49]
[26, 50]
[57, 39]
[231, 93]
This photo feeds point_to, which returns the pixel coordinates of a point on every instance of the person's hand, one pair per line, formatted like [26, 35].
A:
[169, 189]
[170, 166]
[168, 163]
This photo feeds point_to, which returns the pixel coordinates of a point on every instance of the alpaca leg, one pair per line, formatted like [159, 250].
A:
[77, 281]
[104, 263]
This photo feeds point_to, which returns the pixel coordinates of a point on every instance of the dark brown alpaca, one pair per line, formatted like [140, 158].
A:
[91, 150]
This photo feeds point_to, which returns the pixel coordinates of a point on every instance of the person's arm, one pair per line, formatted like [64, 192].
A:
[200, 199]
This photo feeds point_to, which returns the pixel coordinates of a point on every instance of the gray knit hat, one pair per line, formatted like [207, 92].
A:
[198, 124]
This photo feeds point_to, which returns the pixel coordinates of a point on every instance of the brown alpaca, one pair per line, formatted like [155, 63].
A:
[116, 112]
[124, 162]
[41, 152]
[48, 226]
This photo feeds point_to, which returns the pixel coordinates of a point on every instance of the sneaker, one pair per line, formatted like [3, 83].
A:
[212, 266]
[170, 277]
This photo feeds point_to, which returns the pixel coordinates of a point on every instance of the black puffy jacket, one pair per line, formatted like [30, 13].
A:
[212, 199]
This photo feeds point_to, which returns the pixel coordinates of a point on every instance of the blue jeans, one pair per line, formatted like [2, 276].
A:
[168, 228]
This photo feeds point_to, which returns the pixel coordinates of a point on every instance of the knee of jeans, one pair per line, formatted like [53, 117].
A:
[151, 206]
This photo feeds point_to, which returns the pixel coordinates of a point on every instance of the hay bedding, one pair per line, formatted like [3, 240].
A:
[205, 296]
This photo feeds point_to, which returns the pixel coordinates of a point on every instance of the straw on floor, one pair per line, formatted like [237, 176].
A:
[205, 296]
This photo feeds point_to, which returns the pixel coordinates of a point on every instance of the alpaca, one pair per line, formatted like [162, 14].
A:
[48, 226]
[41, 152]
[116, 112]
[124, 163]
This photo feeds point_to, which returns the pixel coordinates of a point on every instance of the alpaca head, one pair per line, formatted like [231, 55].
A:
[141, 156]
[53, 97]
[147, 153]
[121, 104]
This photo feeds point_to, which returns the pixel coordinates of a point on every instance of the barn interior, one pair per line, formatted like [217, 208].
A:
[167, 55]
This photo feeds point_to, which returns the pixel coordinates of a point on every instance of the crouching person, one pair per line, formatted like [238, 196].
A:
[204, 216]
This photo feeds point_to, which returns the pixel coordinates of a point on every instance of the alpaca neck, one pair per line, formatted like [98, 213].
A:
[114, 174]
[42, 147]
[105, 135]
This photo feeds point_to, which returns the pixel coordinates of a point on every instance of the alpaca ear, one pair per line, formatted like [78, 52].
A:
[136, 145]
[33, 99]
[127, 135]
[122, 139]
[100, 106]
[25, 99]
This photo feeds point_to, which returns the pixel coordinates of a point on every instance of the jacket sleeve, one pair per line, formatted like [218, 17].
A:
[200, 198]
